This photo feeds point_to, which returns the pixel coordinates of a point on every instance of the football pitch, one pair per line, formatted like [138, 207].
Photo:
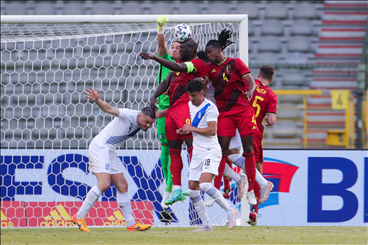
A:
[175, 235]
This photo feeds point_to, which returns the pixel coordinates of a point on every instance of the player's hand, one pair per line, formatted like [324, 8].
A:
[249, 95]
[187, 128]
[153, 102]
[179, 131]
[146, 56]
[161, 21]
[92, 94]
[201, 79]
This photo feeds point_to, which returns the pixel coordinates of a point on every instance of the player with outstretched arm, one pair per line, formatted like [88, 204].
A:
[206, 154]
[103, 162]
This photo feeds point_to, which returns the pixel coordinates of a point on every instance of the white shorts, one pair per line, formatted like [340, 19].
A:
[102, 159]
[235, 142]
[204, 162]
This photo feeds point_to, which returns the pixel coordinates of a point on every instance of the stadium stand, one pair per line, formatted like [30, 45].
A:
[290, 35]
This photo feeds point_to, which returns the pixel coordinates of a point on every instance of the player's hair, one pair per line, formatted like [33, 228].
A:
[148, 111]
[267, 72]
[222, 41]
[194, 86]
[203, 56]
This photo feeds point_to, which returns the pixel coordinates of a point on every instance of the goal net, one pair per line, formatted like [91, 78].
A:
[47, 63]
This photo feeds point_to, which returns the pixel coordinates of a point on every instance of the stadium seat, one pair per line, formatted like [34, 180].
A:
[191, 7]
[305, 10]
[294, 58]
[215, 7]
[16, 8]
[269, 44]
[264, 58]
[45, 8]
[299, 44]
[102, 7]
[296, 78]
[161, 7]
[301, 27]
[251, 9]
[272, 27]
[74, 8]
[276, 10]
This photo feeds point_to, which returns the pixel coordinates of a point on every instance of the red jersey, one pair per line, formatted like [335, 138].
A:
[264, 101]
[180, 80]
[230, 87]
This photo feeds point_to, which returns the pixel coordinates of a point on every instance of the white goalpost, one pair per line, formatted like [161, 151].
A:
[47, 63]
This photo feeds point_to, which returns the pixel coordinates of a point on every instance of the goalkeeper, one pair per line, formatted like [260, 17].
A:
[163, 103]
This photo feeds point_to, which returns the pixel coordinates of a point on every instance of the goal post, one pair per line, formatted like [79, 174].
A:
[47, 63]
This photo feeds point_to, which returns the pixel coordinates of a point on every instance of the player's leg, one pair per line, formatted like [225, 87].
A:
[241, 180]
[100, 166]
[250, 167]
[194, 175]
[104, 181]
[124, 202]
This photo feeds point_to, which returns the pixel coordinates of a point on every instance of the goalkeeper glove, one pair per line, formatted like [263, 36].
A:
[161, 21]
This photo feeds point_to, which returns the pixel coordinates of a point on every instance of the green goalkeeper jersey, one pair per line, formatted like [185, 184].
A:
[164, 100]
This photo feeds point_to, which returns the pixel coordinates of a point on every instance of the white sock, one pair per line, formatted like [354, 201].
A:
[126, 207]
[229, 172]
[166, 196]
[260, 179]
[199, 206]
[92, 197]
[216, 195]
[237, 159]
[176, 187]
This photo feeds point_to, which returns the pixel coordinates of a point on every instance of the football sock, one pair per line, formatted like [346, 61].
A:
[250, 169]
[176, 187]
[260, 179]
[176, 166]
[198, 202]
[218, 178]
[165, 162]
[237, 159]
[126, 207]
[229, 172]
[226, 178]
[216, 195]
[257, 192]
[91, 199]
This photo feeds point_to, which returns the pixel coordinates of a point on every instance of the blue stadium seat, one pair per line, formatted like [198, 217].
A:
[272, 27]
[16, 8]
[131, 7]
[160, 7]
[190, 7]
[305, 10]
[299, 44]
[251, 9]
[102, 7]
[276, 10]
[215, 7]
[269, 44]
[302, 27]
[45, 8]
[74, 8]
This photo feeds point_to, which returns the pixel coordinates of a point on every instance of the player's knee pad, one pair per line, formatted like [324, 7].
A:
[233, 157]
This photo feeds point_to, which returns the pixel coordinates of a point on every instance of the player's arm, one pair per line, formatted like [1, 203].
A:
[187, 67]
[270, 119]
[210, 130]
[161, 113]
[161, 89]
[251, 85]
[162, 48]
[95, 97]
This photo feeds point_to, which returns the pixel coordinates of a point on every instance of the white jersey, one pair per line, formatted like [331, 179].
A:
[119, 129]
[200, 116]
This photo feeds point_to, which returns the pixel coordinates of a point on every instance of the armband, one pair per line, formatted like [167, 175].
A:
[190, 66]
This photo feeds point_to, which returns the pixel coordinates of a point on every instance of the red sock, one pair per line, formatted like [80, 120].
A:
[257, 191]
[218, 179]
[250, 169]
[227, 179]
[190, 152]
[176, 166]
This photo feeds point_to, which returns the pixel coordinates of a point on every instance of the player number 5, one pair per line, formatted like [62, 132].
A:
[257, 105]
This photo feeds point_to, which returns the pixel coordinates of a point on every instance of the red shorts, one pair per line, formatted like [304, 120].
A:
[257, 146]
[243, 120]
[176, 118]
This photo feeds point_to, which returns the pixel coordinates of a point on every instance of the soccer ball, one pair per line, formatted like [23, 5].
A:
[182, 32]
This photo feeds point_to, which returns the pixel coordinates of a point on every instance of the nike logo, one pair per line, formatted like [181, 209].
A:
[136, 228]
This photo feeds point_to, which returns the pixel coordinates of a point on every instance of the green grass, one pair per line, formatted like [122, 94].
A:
[174, 235]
